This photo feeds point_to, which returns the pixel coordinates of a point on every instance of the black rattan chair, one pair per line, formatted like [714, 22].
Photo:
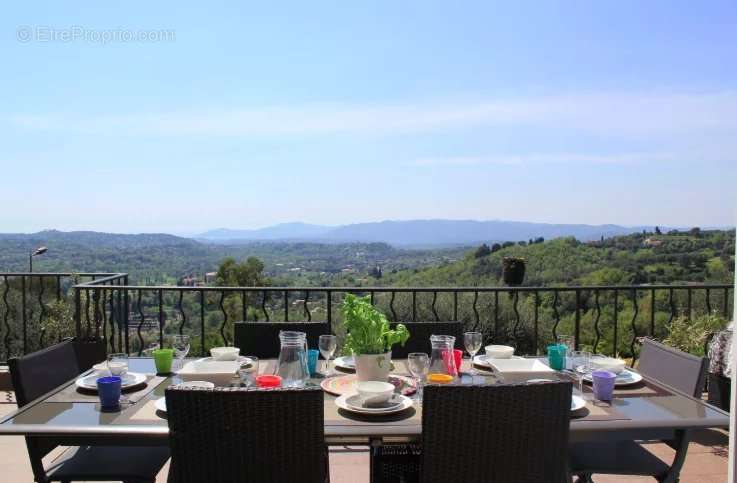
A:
[261, 339]
[419, 336]
[36, 374]
[673, 368]
[246, 435]
[496, 434]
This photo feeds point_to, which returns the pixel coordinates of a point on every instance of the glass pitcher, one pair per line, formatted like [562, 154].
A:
[292, 364]
[442, 361]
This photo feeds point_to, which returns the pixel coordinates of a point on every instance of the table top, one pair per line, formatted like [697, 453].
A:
[642, 416]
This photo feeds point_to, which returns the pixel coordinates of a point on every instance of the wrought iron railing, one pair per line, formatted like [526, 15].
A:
[130, 318]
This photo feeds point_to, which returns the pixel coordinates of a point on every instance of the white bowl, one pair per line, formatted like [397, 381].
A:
[375, 392]
[608, 364]
[499, 351]
[205, 384]
[225, 353]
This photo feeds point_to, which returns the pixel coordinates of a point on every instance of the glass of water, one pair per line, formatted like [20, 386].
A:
[581, 363]
[180, 344]
[327, 345]
[248, 371]
[418, 364]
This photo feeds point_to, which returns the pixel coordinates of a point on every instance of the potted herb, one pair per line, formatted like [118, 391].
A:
[513, 271]
[369, 338]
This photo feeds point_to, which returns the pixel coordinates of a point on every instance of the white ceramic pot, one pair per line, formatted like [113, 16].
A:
[373, 367]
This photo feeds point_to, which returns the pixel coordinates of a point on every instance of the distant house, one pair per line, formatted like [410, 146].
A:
[210, 277]
[652, 242]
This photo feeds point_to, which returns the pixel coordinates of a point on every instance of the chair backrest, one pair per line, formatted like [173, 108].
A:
[39, 372]
[34, 375]
[246, 435]
[89, 352]
[261, 339]
[499, 433]
[419, 336]
[675, 368]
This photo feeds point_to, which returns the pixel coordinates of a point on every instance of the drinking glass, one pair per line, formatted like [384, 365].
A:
[149, 351]
[418, 364]
[180, 344]
[473, 341]
[327, 345]
[581, 362]
[248, 371]
[570, 342]
[117, 364]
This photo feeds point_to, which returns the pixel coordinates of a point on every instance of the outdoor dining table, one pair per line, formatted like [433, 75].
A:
[654, 411]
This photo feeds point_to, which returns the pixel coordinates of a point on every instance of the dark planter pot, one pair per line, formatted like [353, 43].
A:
[513, 271]
[720, 389]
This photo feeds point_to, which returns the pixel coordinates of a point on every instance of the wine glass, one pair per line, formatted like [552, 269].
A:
[327, 345]
[473, 341]
[117, 364]
[570, 342]
[581, 361]
[180, 344]
[248, 371]
[418, 364]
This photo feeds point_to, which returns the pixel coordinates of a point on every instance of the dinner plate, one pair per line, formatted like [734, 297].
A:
[241, 360]
[356, 402]
[130, 379]
[345, 362]
[577, 402]
[483, 361]
[342, 403]
[624, 378]
[346, 384]
[160, 404]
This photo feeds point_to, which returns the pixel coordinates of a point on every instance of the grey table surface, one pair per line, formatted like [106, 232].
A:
[75, 423]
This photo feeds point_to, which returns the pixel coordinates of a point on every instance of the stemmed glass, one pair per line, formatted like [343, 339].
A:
[473, 341]
[117, 364]
[180, 344]
[248, 371]
[327, 345]
[418, 364]
[581, 361]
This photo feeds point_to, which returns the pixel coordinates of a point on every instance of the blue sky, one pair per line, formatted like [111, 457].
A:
[245, 115]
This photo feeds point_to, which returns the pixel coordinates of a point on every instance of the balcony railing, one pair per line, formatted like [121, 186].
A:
[36, 309]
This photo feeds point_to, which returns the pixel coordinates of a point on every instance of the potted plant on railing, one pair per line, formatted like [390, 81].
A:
[513, 271]
[369, 338]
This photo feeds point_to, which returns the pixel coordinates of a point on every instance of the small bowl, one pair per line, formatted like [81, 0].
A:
[225, 353]
[375, 392]
[499, 351]
[608, 364]
[205, 384]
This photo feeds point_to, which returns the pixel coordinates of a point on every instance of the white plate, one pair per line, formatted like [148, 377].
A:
[160, 404]
[130, 379]
[520, 366]
[241, 360]
[483, 361]
[624, 378]
[342, 404]
[345, 362]
[354, 401]
[577, 402]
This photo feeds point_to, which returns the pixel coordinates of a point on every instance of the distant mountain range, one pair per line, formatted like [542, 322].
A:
[420, 233]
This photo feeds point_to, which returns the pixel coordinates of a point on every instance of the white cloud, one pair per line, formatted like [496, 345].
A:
[605, 113]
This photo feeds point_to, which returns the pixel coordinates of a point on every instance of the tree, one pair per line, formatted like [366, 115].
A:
[482, 251]
[244, 274]
[507, 244]
[657, 231]
[375, 272]
[495, 247]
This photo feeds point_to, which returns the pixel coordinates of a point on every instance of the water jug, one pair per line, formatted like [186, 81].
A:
[441, 357]
[292, 364]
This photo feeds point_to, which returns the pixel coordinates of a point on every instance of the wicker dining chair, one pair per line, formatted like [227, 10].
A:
[246, 435]
[679, 370]
[261, 339]
[484, 433]
[39, 373]
[419, 336]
